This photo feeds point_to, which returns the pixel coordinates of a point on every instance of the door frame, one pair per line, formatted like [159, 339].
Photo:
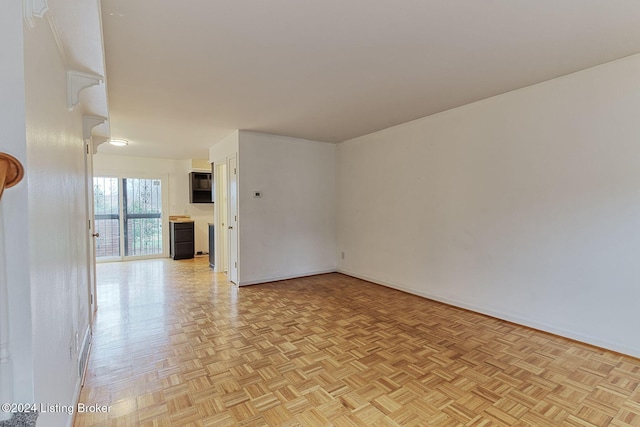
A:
[221, 211]
[91, 239]
[223, 166]
[233, 217]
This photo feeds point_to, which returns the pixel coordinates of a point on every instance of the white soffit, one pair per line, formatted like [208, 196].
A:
[77, 28]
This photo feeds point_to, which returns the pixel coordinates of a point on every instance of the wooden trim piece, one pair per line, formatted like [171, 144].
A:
[11, 171]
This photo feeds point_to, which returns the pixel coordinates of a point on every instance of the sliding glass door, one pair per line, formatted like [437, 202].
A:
[128, 215]
[106, 199]
[142, 216]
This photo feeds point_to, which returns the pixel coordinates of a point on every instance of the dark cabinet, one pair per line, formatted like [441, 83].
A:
[200, 187]
[181, 240]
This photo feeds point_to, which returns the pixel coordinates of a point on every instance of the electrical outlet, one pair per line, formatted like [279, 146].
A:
[342, 255]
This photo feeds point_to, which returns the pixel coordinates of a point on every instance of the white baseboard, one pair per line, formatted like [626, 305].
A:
[286, 277]
[509, 317]
[76, 392]
[83, 356]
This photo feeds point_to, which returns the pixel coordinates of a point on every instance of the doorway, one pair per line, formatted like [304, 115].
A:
[129, 218]
[232, 173]
[226, 215]
[224, 236]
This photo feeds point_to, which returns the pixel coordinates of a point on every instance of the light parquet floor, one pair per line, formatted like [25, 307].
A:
[177, 345]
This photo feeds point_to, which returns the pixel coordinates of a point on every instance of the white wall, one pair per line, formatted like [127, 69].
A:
[227, 147]
[178, 177]
[200, 165]
[14, 223]
[525, 206]
[57, 233]
[291, 230]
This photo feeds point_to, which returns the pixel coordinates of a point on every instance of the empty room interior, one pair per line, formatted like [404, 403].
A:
[410, 213]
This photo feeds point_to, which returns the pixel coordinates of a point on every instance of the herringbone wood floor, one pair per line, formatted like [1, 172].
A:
[177, 345]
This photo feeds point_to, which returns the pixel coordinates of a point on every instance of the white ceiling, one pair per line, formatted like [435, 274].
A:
[184, 74]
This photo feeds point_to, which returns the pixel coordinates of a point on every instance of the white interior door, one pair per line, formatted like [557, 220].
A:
[232, 170]
[91, 234]
[224, 212]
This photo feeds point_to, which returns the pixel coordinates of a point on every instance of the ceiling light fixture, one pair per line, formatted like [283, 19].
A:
[119, 142]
